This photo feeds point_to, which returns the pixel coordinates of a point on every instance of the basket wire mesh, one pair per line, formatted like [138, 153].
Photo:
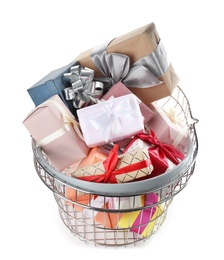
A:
[115, 225]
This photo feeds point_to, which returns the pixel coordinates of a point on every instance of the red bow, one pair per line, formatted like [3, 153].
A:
[159, 153]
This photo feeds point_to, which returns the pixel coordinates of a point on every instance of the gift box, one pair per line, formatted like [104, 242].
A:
[117, 169]
[138, 59]
[118, 90]
[169, 127]
[111, 219]
[163, 156]
[111, 120]
[142, 221]
[56, 131]
[95, 155]
[52, 84]
[77, 199]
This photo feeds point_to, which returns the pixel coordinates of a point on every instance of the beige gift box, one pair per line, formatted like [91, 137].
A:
[137, 44]
[124, 160]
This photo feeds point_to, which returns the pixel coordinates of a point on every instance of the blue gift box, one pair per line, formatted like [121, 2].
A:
[52, 84]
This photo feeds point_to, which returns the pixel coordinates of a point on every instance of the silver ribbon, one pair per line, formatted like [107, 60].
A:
[143, 73]
[83, 89]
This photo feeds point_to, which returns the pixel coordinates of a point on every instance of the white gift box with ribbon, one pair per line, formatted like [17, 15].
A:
[111, 120]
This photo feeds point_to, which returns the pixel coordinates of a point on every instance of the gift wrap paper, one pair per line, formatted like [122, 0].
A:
[57, 132]
[95, 155]
[141, 46]
[125, 160]
[50, 85]
[163, 156]
[142, 221]
[169, 128]
[111, 219]
[111, 120]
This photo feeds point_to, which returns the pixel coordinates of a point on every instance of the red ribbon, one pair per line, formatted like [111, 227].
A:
[110, 165]
[159, 153]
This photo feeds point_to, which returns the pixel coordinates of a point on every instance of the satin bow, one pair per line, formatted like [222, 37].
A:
[83, 88]
[169, 151]
[159, 153]
[143, 73]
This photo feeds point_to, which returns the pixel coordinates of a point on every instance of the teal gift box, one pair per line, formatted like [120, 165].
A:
[52, 84]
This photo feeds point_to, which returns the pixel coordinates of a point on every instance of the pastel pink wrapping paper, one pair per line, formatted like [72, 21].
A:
[55, 129]
[111, 120]
[169, 129]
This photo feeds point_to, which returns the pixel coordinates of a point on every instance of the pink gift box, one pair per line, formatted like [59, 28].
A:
[169, 128]
[57, 132]
[111, 120]
[120, 89]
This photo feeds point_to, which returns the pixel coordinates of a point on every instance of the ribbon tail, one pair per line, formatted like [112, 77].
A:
[173, 154]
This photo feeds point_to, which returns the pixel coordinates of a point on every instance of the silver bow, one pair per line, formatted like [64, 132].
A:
[143, 73]
[83, 89]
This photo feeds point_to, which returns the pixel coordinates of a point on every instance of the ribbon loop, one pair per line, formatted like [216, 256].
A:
[83, 89]
[143, 73]
[170, 152]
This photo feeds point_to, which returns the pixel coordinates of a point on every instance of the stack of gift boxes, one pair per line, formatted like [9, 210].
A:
[97, 119]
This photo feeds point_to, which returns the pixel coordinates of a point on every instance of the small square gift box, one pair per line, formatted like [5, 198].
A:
[56, 131]
[143, 221]
[163, 156]
[117, 168]
[169, 127]
[138, 59]
[111, 120]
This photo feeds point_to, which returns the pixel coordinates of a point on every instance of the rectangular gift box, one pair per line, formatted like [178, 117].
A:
[137, 44]
[140, 144]
[169, 128]
[52, 84]
[111, 120]
[56, 131]
[124, 160]
[95, 155]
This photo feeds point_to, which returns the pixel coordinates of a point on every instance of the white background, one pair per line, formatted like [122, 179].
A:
[40, 36]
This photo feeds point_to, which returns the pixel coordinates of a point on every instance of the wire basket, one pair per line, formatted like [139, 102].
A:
[89, 214]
